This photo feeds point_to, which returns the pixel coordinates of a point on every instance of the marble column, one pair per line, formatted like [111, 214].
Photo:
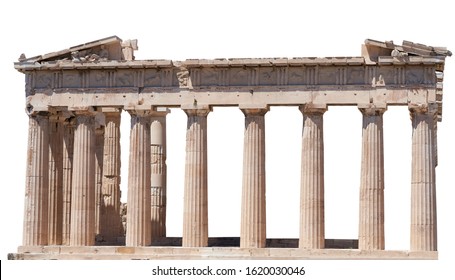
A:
[138, 229]
[423, 183]
[99, 151]
[195, 209]
[158, 172]
[111, 222]
[82, 229]
[55, 199]
[68, 139]
[35, 230]
[312, 233]
[371, 209]
[253, 220]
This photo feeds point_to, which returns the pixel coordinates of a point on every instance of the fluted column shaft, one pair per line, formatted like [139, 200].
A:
[83, 181]
[138, 230]
[195, 209]
[158, 173]
[371, 210]
[68, 139]
[55, 179]
[423, 183]
[35, 231]
[312, 234]
[99, 151]
[111, 222]
[253, 220]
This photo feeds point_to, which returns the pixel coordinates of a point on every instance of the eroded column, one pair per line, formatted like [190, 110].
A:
[158, 172]
[55, 179]
[99, 151]
[35, 231]
[195, 211]
[423, 185]
[111, 222]
[68, 139]
[83, 181]
[138, 229]
[312, 234]
[253, 220]
[371, 210]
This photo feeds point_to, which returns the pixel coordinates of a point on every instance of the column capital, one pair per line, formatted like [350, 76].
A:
[160, 111]
[313, 109]
[79, 111]
[430, 108]
[140, 112]
[254, 109]
[372, 109]
[196, 110]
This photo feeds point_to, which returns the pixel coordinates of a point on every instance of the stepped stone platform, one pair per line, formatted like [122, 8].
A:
[206, 253]
[169, 248]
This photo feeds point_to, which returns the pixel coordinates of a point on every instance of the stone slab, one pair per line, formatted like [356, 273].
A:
[208, 253]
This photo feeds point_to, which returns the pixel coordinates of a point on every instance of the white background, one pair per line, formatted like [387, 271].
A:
[179, 30]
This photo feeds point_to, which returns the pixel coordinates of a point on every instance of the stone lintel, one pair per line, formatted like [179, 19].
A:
[82, 110]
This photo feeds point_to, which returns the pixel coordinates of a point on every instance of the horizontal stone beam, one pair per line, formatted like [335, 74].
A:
[130, 98]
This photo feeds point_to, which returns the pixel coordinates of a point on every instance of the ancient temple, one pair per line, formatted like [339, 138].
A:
[74, 100]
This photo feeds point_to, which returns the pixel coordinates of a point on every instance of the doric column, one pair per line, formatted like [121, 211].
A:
[138, 231]
[83, 181]
[111, 222]
[158, 172]
[55, 179]
[195, 210]
[253, 220]
[371, 210]
[37, 182]
[68, 139]
[312, 234]
[99, 151]
[423, 185]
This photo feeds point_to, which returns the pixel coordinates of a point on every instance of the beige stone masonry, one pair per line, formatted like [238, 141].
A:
[158, 172]
[371, 209]
[110, 222]
[138, 229]
[195, 208]
[312, 182]
[37, 182]
[253, 220]
[82, 231]
[75, 97]
[68, 139]
[423, 184]
[55, 179]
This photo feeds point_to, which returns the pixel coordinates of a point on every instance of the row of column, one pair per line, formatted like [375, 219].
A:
[147, 175]
[73, 178]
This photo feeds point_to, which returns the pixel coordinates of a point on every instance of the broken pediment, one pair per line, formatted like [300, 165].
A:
[110, 48]
[372, 50]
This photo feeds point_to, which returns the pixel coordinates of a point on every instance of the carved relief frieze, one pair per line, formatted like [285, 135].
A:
[267, 76]
[209, 77]
[239, 76]
[98, 79]
[152, 78]
[296, 75]
[355, 76]
[125, 78]
[71, 79]
[44, 80]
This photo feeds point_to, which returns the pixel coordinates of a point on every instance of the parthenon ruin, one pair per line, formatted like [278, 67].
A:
[74, 100]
